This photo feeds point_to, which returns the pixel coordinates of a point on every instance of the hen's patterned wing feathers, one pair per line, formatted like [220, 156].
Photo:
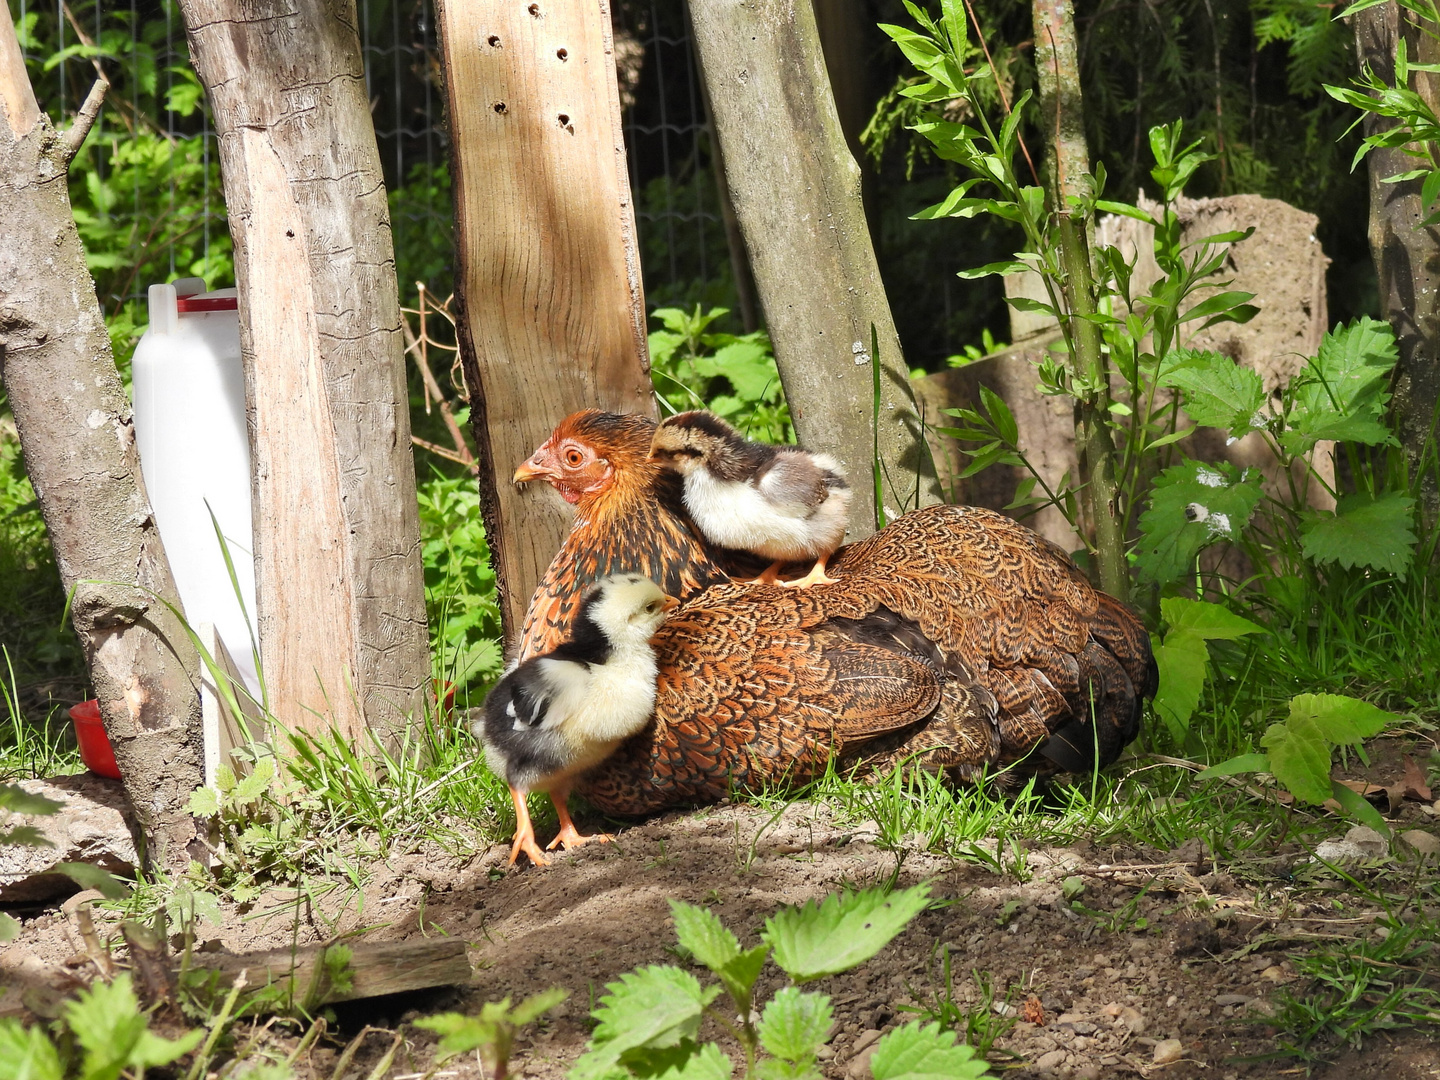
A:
[1005, 646]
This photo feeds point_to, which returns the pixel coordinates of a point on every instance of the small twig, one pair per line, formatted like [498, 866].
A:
[75, 135]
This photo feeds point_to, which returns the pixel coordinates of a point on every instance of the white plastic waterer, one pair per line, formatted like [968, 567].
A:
[194, 453]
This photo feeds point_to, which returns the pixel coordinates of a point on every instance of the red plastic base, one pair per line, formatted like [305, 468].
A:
[95, 749]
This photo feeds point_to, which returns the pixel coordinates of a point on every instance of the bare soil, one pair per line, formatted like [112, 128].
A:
[1195, 958]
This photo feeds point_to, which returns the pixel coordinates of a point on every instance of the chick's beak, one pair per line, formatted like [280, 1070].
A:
[534, 469]
[669, 604]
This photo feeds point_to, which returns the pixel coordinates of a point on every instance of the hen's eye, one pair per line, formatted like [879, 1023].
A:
[573, 457]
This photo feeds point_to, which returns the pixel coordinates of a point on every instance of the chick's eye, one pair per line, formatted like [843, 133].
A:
[653, 606]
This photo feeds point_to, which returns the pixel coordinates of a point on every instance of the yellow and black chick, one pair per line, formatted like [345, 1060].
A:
[556, 715]
[781, 502]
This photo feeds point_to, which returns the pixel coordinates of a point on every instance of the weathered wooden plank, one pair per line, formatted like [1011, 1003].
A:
[374, 969]
[339, 578]
[552, 313]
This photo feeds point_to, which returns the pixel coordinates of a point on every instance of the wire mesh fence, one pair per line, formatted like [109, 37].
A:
[148, 194]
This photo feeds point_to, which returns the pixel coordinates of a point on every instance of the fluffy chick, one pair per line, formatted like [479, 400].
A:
[781, 502]
[556, 715]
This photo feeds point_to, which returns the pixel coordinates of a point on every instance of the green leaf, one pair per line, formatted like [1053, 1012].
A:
[655, 1006]
[92, 877]
[1216, 391]
[1372, 533]
[1181, 660]
[1243, 763]
[1007, 267]
[537, 1005]
[795, 1024]
[846, 930]
[1358, 807]
[1342, 392]
[739, 974]
[1210, 621]
[1340, 719]
[459, 1034]
[19, 801]
[1300, 758]
[1000, 416]
[257, 783]
[685, 1061]
[205, 802]
[925, 1052]
[1192, 505]
[9, 928]
[108, 1024]
[27, 1053]
[701, 931]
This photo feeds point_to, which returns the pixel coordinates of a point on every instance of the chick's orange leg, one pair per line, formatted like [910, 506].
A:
[524, 832]
[816, 576]
[569, 835]
[771, 576]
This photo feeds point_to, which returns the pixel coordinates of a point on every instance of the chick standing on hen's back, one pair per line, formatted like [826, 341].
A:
[560, 713]
[780, 502]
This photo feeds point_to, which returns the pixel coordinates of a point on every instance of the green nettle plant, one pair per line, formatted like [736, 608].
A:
[1338, 397]
[110, 1037]
[649, 1022]
[734, 376]
[1113, 338]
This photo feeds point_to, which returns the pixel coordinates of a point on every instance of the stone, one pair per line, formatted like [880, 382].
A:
[1133, 1019]
[1275, 974]
[1360, 844]
[93, 825]
[859, 1066]
[1168, 1051]
[866, 1039]
[1423, 842]
[1052, 1059]
[1232, 999]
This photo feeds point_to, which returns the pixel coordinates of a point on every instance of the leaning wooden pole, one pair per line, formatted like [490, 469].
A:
[337, 536]
[796, 190]
[552, 313]
[74, 424]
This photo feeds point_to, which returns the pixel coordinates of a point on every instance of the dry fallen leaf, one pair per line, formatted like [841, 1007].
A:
[1032, 1012]
[1414, 780]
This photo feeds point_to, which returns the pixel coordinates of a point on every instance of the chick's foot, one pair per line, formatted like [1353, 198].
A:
[524, 833]
[816, 576]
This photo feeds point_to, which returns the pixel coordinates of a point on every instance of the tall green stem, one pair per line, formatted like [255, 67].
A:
[1069, 161]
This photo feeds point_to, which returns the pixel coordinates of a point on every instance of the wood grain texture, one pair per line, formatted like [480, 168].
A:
[79, 443]
[552, 312]
[337, 538]
[375, 969]
[796, 189]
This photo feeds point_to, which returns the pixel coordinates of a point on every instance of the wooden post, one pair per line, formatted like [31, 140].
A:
[74, 424]
[337, 535]
[797, 192]
[552, 312]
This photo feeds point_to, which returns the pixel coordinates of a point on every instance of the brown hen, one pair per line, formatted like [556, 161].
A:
[954, 637]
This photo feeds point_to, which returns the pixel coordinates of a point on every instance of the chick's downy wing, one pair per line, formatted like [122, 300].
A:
[793, 484]
[750, 693]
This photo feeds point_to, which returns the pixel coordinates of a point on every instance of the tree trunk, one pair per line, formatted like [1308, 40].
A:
[1405, 256]
[797, 192]
[74, 424]
[552, 312]
[1068, 161]
[337, 536]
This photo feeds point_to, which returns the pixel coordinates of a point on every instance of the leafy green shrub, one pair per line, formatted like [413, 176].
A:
[111, 1037]
[491, 1032]
[735, 377]
[649, 1021]
[459, 585]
